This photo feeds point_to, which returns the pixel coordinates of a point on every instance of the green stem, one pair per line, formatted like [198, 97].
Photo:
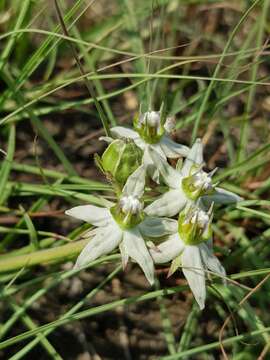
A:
[42, 257]
[216, 344]
[53, 174]
[40, 337]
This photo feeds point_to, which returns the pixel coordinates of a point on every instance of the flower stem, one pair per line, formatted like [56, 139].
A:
[42, 257]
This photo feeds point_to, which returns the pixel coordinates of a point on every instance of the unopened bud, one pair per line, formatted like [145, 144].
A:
[121, 159]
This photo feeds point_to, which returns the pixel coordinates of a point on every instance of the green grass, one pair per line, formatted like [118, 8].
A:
[216, 86]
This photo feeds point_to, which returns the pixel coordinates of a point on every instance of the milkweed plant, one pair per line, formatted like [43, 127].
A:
[175, 227]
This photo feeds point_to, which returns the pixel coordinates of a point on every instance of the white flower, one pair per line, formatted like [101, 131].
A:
[191, 252]
[187, 185]
[149, 133]
[123, 225]
[165, 146]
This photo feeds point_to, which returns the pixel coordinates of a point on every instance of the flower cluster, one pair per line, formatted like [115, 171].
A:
[176, 226]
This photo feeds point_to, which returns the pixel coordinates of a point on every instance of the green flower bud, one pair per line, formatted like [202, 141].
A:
[194, 225]
[121, 159]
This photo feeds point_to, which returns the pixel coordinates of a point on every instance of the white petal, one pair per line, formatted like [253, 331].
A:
[124, 254]
[90, 233]
[159, 150]
[157, 227]
[168, 250]
[94, 215]
[103, 243]
[140, 142]
[172, 149]
[194, 273]
[136, 182]
[137, 250]
[171, 177]
[194, 157]
[151, 168]
[123, 132]
[222, 196]
[147, 160]
[211, 261]
[168, 204]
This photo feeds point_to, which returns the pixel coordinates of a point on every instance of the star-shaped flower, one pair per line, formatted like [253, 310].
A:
[187, 185]
[189, 249]
[124, 225]
[150, 133]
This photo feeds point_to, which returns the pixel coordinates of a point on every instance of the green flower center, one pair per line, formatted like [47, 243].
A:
[149, 127]
[198, 183]
[128, 212]
[194, 226]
